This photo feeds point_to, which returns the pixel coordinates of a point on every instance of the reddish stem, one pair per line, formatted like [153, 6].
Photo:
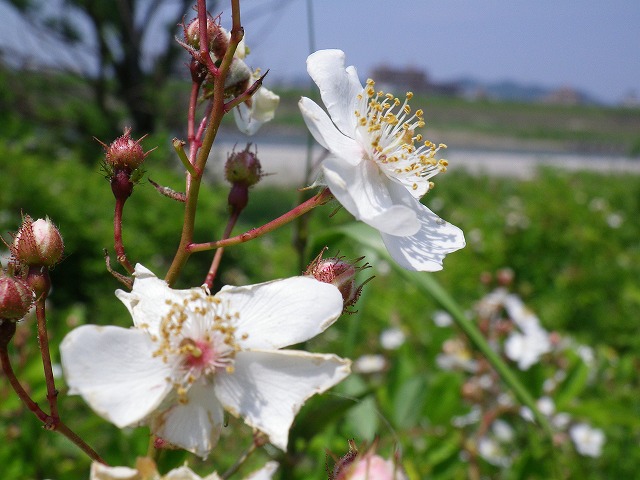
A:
[217, 258]
[43, 343]
[117, 235]
[320, 199]
[49, 422]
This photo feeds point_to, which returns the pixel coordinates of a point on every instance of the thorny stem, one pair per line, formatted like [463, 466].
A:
[50, 423]
[217, 258]
[246, 95]
[217, 112]
[117, 236]
[320, 199]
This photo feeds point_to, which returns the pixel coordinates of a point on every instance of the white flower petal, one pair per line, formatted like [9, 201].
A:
[280, 313]
[263, 106]
[326, 133]
[100, 471]
[364, 192]
[338, 86]
[195, 425]
[265, 473]
[269, 388]
[148, 301]
[114, 371]
[425, 250]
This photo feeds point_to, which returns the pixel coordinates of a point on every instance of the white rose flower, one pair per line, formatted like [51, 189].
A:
[378, 167]
[191, 355]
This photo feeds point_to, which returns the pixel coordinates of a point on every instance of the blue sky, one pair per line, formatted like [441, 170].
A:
[590, 44]
[593, 45]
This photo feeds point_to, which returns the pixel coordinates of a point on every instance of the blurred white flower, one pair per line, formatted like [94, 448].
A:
[456, 356]
[392, 338]
[531, 342]
[442, 318]
[146, 470]
[261, 108]
[502, 430]
[493, 452]
[378, 167]
[546, 406]
[561, 420]
[587, 440]
[191, 355]
[370, 363]
[615, 220]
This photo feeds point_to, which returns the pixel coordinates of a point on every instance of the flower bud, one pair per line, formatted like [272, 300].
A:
[217, 36]
[38, 243]
[16, 298]
[340, 273]
[366, 466]
[243, 167]
[242, 170]
[125, 152]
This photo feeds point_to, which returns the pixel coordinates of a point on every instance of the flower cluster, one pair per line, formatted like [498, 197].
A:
[515, 332]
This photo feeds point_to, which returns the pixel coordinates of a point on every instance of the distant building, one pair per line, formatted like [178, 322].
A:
[410, 79]
[564, 96]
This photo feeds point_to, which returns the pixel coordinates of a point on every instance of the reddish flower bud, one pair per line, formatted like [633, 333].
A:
[242, 170]
[16, 298]
[366, 466]
[243, 167]
[341, 273]
[38, 243]
[125, 152]
[217, 36]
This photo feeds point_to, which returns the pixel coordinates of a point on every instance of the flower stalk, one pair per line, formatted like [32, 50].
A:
[320, 199]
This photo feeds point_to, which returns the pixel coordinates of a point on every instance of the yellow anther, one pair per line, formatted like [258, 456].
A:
[409, 95]
[418, 137]
[421, 124]
[419, 113]
[442, 145]
[414, 186]
[407, 109]
[431, 185]
[444, 163]
[389, 96]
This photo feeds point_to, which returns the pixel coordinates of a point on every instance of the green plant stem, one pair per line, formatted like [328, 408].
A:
[215, 118]
[178, 146]
[320, 199]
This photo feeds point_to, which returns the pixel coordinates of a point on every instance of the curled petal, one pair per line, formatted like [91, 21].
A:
[268, 388]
